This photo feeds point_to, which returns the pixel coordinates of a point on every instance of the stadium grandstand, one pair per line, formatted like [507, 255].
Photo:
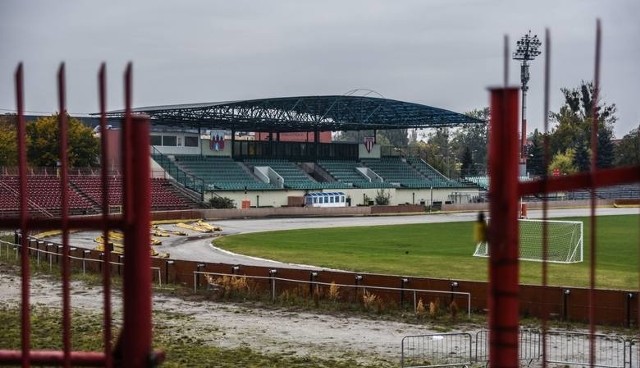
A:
[265, 151]
[268, 150]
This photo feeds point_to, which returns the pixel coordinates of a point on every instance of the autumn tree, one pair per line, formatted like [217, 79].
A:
[44, 147]
[574, 124]
[8, 142]
[627, 153]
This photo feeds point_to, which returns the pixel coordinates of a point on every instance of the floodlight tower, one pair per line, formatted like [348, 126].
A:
[526, 50]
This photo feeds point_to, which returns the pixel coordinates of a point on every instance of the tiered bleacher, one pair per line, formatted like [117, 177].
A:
[220, 173]
[401, 173]
[438, 180]
[346, 171]
[84, 193]
[44, 196]
[627, 191]
[294, 177]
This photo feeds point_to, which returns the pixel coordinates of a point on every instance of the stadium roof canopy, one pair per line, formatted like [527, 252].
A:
[303, 113]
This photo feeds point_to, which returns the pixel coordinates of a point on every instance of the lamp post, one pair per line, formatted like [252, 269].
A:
[526, 50]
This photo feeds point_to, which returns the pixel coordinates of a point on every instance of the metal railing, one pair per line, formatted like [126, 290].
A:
[48, 256]
[564, 348]
[312, 284]
[437, 350]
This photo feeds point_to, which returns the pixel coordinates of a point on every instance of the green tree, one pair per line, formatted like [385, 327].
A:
[563, 161]
[8, 141]
[535, 162]
[606, 155]
[582, 157]
[574, 125]
[397, 137]
[627, 153]
[467, 167]
[43, 150]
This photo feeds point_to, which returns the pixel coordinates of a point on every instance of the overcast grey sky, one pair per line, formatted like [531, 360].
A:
[441, 53]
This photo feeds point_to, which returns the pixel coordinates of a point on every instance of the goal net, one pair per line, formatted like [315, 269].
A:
[564, 239]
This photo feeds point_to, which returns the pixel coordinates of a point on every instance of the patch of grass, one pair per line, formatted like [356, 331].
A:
[442, 250]
[181, 350]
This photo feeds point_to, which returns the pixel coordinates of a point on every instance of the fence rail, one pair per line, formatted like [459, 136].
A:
[273, 280]
[563, 348]
[49, 256]
[437, 350]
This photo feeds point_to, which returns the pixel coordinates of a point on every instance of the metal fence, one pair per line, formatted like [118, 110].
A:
[437, 350]
[42, 256]
[563, 348]
[275, 284]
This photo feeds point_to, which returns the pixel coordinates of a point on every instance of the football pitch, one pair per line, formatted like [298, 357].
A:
[444, 250]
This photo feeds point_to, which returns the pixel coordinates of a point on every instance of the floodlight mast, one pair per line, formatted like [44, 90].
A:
[526, 50]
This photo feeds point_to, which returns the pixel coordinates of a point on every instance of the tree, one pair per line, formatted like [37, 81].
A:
[397, 137]
[563, 162]
[475, 137]
[467, 168]
[582, 157]
[535, 162]
[574, 124]
[627, 153]
[8, 141]
[605, 154]
[43, 150]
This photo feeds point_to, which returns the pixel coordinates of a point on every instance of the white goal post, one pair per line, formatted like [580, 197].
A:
[564, 239]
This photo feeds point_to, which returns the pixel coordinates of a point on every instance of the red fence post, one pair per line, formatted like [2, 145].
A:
[503, 228]
[136, 334]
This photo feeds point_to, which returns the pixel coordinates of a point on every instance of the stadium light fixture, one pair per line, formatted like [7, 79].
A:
[526, 50]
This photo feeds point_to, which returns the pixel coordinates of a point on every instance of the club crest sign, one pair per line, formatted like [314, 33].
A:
[368, 143]
[216, 142]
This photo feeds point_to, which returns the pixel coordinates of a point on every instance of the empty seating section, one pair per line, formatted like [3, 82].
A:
[396, 171]
[91, 186]
[85, 195]
[221, 173]
[346, 172]
[481, 181]
[293, 176]
[44, 192]
[627, 191]
[165, 197]
[437, 179]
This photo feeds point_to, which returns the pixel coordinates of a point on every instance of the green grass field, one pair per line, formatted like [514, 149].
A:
[443, 250]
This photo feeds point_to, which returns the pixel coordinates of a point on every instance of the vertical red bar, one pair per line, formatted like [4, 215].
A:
[137, 276]
[25, 338]
[136, 334]
[63, 176]
[594, 167]
[104, 177]
[503, 228]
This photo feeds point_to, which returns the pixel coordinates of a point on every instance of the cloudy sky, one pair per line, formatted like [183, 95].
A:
[441, 53]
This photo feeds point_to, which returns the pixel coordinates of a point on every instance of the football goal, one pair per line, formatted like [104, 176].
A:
[564, 239]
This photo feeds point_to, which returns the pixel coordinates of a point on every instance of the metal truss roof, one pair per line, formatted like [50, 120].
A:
[304, 113]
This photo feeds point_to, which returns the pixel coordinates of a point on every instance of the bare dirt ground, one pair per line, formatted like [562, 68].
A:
[230, 325]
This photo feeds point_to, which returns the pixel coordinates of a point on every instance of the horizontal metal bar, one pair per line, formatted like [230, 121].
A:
[601, 178]
[78, 358]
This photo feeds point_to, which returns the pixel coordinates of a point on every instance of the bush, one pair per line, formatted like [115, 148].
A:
[383, 197]
[222, 202]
